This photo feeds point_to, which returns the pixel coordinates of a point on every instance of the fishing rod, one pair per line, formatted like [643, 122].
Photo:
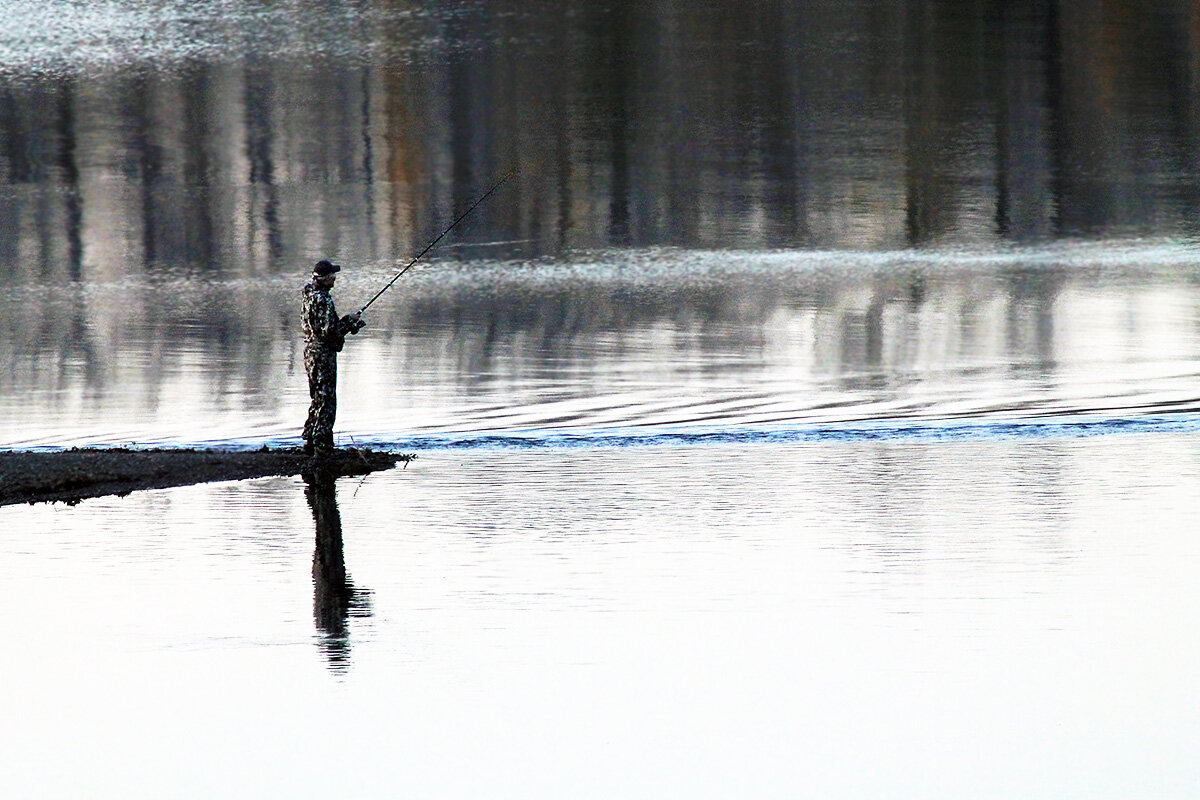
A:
[441, 236]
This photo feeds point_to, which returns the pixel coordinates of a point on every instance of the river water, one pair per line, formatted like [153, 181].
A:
[814, 411]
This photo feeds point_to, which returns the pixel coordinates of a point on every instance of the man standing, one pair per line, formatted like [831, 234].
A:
[324, 336]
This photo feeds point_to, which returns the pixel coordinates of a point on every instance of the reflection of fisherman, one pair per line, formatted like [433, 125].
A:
[324, 336]
[334, 598]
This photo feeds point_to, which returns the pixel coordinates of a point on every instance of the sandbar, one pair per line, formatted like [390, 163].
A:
[69, 476]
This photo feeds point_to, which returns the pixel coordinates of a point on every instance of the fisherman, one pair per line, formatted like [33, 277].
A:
[324, 336]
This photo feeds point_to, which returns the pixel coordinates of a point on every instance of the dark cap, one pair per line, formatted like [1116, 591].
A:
[324, 268]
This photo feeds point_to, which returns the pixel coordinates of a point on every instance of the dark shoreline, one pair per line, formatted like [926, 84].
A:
[69, 476]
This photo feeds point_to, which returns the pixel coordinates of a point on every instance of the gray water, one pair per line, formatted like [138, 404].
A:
[813, 413]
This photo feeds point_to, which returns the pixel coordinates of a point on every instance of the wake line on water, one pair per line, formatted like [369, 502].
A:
[1074, 427]
[897, 430]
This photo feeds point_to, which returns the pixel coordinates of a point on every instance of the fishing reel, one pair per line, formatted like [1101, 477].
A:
[353, 323]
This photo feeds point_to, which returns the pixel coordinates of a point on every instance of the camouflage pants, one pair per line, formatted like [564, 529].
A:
[321, 365]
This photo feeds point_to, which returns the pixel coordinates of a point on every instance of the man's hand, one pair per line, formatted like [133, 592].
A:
[353, 322]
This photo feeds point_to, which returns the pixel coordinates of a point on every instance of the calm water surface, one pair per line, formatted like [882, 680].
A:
[854, 619]
[815, 413]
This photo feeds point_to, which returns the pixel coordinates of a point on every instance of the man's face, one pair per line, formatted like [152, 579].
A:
[328, 280]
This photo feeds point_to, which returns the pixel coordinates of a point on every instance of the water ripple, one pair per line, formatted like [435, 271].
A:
[1067, 426]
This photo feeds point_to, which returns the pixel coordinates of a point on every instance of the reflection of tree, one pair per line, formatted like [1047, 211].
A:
[762, 124]
[1029, 320]
[335, 599]
[701, 126]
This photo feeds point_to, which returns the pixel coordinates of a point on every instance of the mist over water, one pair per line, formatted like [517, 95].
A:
[814, 412]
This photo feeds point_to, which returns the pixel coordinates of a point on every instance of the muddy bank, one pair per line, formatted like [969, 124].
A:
[72, 475]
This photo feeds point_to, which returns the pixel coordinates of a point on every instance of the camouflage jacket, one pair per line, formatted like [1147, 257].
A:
[320, 322]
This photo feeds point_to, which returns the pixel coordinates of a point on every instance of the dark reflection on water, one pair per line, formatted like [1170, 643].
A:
[164, 194]
[233, 142]
[335, 598]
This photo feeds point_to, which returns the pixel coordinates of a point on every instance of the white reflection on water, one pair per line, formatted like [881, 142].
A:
[849, 619]
[616, 339]
[61, 36]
